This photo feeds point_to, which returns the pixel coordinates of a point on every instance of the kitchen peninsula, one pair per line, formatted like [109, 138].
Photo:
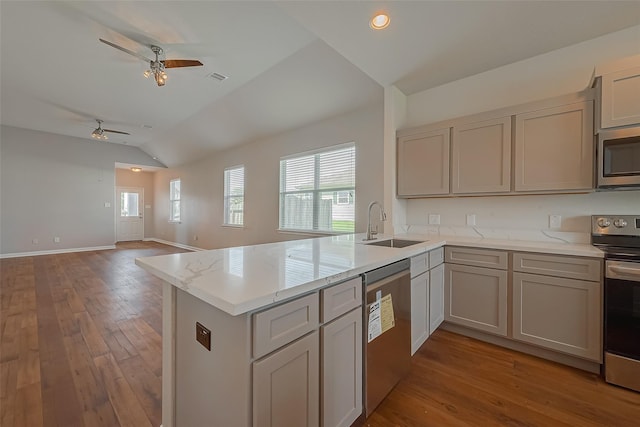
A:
[216, 302]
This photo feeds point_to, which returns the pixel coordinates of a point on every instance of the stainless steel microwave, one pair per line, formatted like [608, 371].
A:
[619, 158]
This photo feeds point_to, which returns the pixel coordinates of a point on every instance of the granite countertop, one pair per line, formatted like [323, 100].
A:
[248, 278]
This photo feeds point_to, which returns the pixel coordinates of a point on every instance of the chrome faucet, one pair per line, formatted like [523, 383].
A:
[383, 217]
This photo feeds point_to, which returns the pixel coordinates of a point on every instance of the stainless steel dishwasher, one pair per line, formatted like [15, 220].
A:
[387, 330]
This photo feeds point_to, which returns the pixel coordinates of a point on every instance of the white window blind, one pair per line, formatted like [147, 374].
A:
[174, 200]
[317, 191]
[234, 196]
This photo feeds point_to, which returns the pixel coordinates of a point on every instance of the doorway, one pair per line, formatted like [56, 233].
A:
[129, 214]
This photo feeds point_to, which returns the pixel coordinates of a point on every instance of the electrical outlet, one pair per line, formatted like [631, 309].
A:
[434, 219]
[555, 221]
[195, 237]
[471, 219]
[34, 241]
[203, 336]
[56, 240]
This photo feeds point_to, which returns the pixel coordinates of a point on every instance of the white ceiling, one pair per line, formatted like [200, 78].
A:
[289, 63]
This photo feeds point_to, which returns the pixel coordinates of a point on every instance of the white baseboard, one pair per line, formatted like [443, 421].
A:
[56, 251]
[177, 245]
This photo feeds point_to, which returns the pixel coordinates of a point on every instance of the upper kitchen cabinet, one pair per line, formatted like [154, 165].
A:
[554, 148]
[423, 163]
[620, 98]
[490, 141]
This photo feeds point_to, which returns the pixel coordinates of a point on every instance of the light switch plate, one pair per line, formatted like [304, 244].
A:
[107, 204]
[555, 221]
[434, 219]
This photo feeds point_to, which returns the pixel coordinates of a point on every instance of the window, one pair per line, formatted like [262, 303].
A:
[128, 204]
[317, 191]
[174, 200]
[234, 196]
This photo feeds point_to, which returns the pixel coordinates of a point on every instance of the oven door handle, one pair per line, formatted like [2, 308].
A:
[633, 273]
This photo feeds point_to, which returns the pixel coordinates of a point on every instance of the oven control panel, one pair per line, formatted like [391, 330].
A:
[621, 225]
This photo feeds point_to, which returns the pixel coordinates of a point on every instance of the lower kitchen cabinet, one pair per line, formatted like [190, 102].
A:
[557, 313]
[476, 297]
[286, 385]
[419, 311]
[436, 297]
[341, 401]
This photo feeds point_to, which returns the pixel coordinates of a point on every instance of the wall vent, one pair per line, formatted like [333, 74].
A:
[218, 76]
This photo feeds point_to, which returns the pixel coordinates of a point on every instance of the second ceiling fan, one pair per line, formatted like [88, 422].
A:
[157, 66]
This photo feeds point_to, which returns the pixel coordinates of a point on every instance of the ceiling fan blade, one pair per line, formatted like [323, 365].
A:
[175, 63]
[125, 50]
[116, 131]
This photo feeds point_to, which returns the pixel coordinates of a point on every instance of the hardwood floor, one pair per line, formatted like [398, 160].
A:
[81, 346]
[81, 339]
[459, 381]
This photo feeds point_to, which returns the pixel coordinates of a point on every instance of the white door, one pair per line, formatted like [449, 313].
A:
[129, 220]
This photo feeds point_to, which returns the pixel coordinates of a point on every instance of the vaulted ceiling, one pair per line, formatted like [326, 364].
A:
[288, 63]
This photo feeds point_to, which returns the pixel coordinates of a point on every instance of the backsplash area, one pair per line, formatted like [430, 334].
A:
[526, 217]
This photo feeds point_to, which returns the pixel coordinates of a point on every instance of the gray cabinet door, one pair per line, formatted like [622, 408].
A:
[489, 140]
[342, 370]
[621, 98]
[419, 311]
[423, 164]
[476, 297]
[436, 297]
[559, 314]
[554, 148]
[286, 385]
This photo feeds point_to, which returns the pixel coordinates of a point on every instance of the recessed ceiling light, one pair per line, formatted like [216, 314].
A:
[136, 169]
[380, 21]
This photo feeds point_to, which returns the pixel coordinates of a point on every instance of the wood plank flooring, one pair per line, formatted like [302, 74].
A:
[81, 339]
[459, 381]
[81, 346]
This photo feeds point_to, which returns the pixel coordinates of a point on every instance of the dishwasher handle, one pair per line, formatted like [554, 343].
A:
[372, 287]
[386, 271]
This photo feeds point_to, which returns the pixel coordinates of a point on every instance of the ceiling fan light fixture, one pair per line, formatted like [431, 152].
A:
[147, 73]
[99, 135]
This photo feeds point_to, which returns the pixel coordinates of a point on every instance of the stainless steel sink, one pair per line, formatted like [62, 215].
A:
[395, 243]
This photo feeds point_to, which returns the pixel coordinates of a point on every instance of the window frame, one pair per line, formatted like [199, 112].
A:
[172, 202]
[226, 196]
[316, 190]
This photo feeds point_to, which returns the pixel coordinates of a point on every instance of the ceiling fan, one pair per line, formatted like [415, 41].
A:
[157, 66]
[99, 133]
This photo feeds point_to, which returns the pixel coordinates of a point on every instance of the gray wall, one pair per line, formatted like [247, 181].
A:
[56, 186]
[202, 182]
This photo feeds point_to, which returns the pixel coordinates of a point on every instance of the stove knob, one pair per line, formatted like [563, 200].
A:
[620, 223]
[604, 222]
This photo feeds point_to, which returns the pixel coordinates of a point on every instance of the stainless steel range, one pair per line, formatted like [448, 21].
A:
[619, 237]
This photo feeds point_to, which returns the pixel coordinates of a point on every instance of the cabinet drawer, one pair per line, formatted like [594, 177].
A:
[559, 266]
[477, 257]
[280, 325]
[419, 264]
[436, 257]
[341, 298]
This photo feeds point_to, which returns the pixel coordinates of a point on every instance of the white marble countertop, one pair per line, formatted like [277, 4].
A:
[243, 279]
